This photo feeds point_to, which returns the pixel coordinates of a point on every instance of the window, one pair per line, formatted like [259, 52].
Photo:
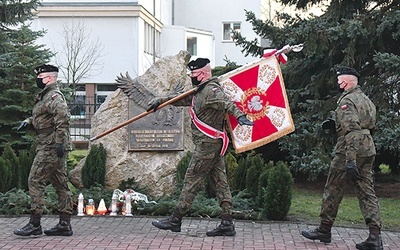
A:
[227, 30]
[100, 99]
[151, 39]
[103, 90]
[106, 87]
[80, 87]
[78, 107]
[191, 45]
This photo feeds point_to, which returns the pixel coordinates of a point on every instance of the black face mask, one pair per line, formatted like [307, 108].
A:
[39, 83]
[195, 81]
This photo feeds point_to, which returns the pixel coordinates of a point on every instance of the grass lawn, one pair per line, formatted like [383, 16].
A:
[306, 206]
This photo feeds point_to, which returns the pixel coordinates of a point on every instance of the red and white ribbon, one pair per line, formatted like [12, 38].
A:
[210, 131]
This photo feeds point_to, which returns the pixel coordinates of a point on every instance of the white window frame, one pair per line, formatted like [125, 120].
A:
[228, 30]
[193, 50]
[151, 39]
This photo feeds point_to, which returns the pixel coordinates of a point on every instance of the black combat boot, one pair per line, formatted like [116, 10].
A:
[373, 242]
[32, 228]
[226, 228]
[172, 223]
[321, 233]
[63, 228]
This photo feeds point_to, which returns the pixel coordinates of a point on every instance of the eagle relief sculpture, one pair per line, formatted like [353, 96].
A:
[162, 130]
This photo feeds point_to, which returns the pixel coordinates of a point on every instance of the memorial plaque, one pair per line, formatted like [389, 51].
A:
[159, 131]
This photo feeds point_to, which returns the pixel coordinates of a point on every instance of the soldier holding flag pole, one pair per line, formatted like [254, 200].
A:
[208, 108]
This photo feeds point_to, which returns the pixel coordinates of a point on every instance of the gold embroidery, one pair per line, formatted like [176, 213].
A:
[242, 133]
[230, 89]
[253, 105]
[267, 74]
[278, 117]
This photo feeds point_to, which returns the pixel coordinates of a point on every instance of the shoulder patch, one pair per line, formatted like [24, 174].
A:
[54, 96]
[214, 89]
[344, 107]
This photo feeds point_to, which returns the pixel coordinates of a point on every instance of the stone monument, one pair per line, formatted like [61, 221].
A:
[154, 169]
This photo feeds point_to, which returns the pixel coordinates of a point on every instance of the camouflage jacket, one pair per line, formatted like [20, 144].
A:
[51, 113]
[355, 118]
[211, 105]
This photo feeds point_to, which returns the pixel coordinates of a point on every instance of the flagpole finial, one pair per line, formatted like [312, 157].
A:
[297, 48]
[287, 48]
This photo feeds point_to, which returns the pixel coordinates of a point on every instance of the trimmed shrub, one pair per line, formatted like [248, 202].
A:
[26, 158]
[263, 183]
[74, 157]
[5, 175]
[255, 165]
[94, 169]
[14, 170]
[278, 193]
[11, 157]
[239, 183]
[231, 168]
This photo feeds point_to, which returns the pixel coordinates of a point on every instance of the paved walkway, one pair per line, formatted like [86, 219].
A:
[105, 232]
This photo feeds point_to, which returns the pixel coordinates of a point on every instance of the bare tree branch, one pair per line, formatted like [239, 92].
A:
[79, 57]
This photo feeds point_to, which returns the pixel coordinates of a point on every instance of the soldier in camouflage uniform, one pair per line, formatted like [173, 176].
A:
[209, 106]
[353, 161]
[50, 120]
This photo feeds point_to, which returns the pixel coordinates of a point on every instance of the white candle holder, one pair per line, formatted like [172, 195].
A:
[114, 201]
[128, 205]
[80, 205]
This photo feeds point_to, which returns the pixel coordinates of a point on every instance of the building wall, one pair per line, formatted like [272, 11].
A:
[210, 15]
[117, 27]
[171, 45]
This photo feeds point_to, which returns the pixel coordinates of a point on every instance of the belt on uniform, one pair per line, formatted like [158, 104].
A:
[363, 131]
[44, 131]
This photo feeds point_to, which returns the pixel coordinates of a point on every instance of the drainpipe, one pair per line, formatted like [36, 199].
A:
[154, 32]
[173, 12]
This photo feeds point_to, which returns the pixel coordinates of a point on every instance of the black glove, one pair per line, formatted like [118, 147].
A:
[352, 170]
[22, 125]
[329, 124]
[244, 121]
[60, 149]
[154, 103]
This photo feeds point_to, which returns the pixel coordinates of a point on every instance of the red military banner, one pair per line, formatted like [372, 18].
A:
[259, 91]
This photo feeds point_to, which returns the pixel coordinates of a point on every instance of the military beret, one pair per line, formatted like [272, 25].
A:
[347, 71]
[198, 63]
[45, 68]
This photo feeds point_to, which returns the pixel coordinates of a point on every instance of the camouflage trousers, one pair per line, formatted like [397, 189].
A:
[336, 183]
[206, 160]
[48, 167]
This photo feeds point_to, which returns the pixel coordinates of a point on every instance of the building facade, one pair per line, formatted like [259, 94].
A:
[102, 39]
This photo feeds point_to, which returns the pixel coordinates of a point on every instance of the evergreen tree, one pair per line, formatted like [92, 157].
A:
[6, 175]
[25, 158]
[362, 34]
[10, 156]
[94, 169]
[18, 56]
